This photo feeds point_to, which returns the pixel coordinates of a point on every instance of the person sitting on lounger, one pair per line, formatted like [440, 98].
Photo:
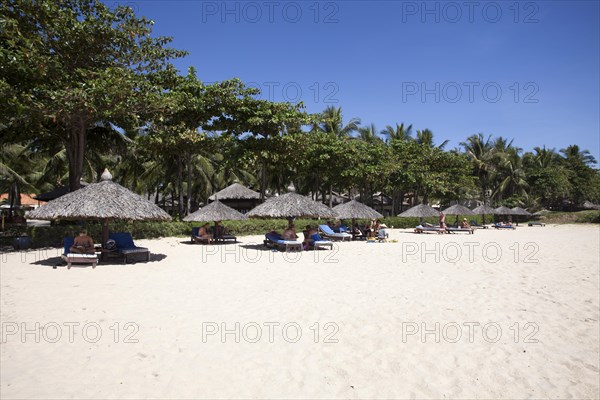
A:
[83, 244]
[308, 233]
[376, 227]
[204, 233]
[290, 233]
[369, 230]
[465, 224]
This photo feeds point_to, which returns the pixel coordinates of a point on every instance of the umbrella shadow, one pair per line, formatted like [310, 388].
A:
[219, 243]
[256, 246]
[59, 262]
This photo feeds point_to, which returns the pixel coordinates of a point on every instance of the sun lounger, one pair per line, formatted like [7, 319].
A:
[225, 237]
[460, 230]
[318, 242]
[475, 225]
[330, 234]
[274, 240]
[76, 258]
[427, 229]
[498, 226]
[126, 247]
[536, 223]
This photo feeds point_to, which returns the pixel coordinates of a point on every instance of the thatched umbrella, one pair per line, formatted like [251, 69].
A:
[354, 209]
[291, 205]
[215, 211]
[420, 211]
[235, 192]
[104, 201]
[503, 211]
[520, 211]
[457, 210]
[482, 210]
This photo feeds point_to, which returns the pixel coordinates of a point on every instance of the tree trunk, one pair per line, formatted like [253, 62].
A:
[14, 196]
[75, 150]
[188, 203]
[180, 187]
[263, 178]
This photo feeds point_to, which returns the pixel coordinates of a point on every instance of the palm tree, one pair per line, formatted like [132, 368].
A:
[368, 133]
[398, 133]
[481, 152]
[425, 137]
[512, 176]
[574, 153]
[17, 171]
[332, 122]
[544, 158]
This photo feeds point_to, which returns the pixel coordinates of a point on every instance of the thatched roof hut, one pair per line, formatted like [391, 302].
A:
[104, 201]
[238, 197]
[458, 209]
[291, 205]
[215, 211]
[420, 211]
[57, 192]
[354, 209]
[235, 192]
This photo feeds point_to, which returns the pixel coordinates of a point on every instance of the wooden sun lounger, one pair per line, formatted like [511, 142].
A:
[77, 258]
[330, 234]
[126, 247]
[536, 223]
[504, 226]
[427, 229]
[460, 230]
[274, 240]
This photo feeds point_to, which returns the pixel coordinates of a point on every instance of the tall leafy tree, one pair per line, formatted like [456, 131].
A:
[71, 64]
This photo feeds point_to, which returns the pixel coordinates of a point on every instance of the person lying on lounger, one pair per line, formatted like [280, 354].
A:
[83, 244]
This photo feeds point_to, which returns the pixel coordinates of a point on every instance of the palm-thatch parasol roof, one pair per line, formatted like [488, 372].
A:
[354, 209]
[458, 209]
[215, 211]
[483, 209]
[235, 192]
[504, 211]
[291, 205]
[57, 192]
[420, 211]
[520, 211]
[105, 201]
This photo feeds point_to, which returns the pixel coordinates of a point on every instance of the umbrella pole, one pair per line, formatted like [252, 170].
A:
[290, 221]
[104, 231]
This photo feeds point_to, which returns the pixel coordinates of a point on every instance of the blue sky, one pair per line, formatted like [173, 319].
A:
[522, 70]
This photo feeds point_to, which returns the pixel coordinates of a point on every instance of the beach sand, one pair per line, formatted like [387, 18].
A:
[499, 314]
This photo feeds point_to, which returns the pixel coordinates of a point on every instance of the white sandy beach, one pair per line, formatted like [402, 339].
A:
[512, 325]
